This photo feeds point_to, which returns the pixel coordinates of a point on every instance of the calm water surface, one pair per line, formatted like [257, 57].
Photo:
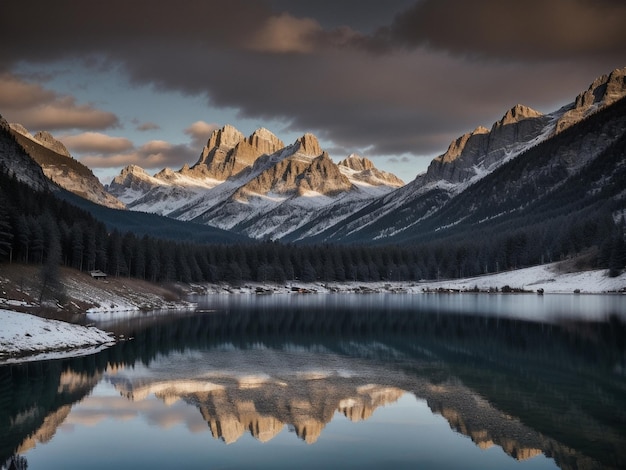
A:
[334, 381]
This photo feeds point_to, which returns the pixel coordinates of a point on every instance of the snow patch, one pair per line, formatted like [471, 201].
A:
[37, 338]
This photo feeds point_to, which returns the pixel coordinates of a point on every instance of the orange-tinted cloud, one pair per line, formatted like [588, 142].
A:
[285, 33]
[35, 107]
[200, 132]
[153, 154]
[95, 142]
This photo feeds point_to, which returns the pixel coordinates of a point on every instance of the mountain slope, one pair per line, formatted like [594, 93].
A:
[576, 175]
[14, 160]
[255, 185]
[58, 165]
[472, 157]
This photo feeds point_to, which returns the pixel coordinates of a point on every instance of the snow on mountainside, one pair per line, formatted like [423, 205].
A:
[259, 187]
[472, 157]
[59, 166]
[255, 185]
[15, 161]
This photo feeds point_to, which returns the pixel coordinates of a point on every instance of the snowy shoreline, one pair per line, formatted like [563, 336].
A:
[24, 337]
[545, 278]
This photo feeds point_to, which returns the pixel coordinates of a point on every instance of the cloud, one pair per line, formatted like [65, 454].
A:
[285, 33]
[35, 107]
[147, 126]
[95, 142]
[153, 154]
[200, 132]
[400, 79]
[511, 29]
[16, 93]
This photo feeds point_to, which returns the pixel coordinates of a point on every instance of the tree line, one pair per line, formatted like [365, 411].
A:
[37, 228]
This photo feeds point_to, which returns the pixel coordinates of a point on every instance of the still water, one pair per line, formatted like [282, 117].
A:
[334, 381]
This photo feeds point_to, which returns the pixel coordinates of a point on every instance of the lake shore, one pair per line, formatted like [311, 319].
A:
[548, 279]
[79, 294]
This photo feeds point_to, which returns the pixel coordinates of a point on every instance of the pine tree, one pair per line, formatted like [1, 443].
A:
[6, 234]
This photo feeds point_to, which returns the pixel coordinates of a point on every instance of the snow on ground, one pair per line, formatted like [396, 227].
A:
[25, 337]
[108, 296]
[546, 277]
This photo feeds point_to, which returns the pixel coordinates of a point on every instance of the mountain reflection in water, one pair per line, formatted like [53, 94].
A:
[257, 367]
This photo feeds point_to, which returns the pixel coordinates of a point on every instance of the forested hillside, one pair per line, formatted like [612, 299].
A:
[553, 202]
[36, 227]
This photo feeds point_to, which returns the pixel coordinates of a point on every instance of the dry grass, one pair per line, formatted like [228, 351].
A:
[21, 290]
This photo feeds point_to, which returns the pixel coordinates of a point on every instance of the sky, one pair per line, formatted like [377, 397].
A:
[146, 82]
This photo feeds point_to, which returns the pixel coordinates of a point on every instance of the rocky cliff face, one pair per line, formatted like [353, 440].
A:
[47, 140]
[61, 168]
[14, 160]
[44, 138]
[228, 152]
[604, 91]
[306, 169]
[360, 169]
[483, 149]
[131, 180]
[476, 155]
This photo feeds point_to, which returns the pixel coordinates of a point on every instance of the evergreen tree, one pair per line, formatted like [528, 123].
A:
[6, 233]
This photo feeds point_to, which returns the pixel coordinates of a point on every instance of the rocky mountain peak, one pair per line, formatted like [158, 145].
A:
[309, 145]
[457, 146]
[47, 140]
[265, 142]
[483, 149]
[165, 174]
[228, 152]
[227, 136]
[356, 163]
[323, 177]
[132, 170]
[133, 178]
[19, 128]
[129, 176]
[603, 91]
[516, 114]
[361, 169]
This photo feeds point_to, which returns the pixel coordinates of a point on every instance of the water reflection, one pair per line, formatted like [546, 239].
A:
[554, 388]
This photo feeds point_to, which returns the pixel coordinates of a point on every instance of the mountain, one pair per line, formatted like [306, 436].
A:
[14, 160]
[228, 152]
[59, 166]
[258, 187]
[522, 138]
[255, 185]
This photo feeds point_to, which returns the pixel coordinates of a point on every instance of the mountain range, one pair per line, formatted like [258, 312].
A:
[258, 187]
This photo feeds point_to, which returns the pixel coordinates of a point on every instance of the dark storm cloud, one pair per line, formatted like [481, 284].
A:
[528, 29]
[311, 63]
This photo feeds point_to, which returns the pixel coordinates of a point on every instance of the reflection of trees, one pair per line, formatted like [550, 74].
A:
[36, 398]
[15, 462]
[545, 377]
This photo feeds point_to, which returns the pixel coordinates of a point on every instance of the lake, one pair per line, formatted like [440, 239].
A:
[334, 381]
